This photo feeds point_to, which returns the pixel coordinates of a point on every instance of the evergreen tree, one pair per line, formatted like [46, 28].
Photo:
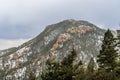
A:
[68, 61]
[79, 71]
[60, 71]
[117, 69]
[32, 76]
[67, 66]
[52, 71]
[108, 53]
[91, 66]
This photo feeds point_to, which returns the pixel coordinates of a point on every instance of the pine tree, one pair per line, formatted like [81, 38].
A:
[67, 66]
[32, 76]
[68, 61]
[117, 69]
[79, 71]
[91, 66]
[108, 53]
[52, 71]
[60, 71]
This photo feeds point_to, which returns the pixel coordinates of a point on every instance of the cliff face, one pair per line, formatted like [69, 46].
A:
[54, 43]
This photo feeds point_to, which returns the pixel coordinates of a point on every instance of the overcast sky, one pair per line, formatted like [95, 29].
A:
[24, 19]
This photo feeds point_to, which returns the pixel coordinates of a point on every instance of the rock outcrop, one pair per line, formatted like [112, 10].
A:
[54, 43]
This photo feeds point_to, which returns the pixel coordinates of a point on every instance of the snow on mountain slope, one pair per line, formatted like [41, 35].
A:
[54, 43]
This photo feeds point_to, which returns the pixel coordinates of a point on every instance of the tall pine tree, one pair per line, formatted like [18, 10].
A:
[60, 71]
[91, 65]
[108, 52]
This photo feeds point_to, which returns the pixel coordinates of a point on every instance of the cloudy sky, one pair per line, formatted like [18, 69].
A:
[21, 20]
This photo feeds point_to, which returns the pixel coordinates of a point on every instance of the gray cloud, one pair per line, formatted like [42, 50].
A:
[27, 18]
[4, 44]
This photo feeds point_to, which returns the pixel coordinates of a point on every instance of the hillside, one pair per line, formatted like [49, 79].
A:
[54, 43]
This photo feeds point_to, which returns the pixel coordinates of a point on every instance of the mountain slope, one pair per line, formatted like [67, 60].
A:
[55, 42]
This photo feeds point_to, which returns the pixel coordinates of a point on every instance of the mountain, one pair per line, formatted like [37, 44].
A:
[54, 43]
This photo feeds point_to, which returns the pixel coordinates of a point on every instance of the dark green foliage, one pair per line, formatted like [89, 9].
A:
[108, 53]
[67, 66]
[68, 61]
[60, 71]
[117, 69]
[52, 71]
[32, 76]
[91, 66]
[79, 71]
[102, 75]
[108, 69]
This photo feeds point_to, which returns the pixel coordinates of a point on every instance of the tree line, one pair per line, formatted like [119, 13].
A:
[108, 62]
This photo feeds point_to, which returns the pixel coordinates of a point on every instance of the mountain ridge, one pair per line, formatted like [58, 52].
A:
[54, 43]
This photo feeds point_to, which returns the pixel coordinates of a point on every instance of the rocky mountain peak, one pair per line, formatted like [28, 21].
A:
[54, 43]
